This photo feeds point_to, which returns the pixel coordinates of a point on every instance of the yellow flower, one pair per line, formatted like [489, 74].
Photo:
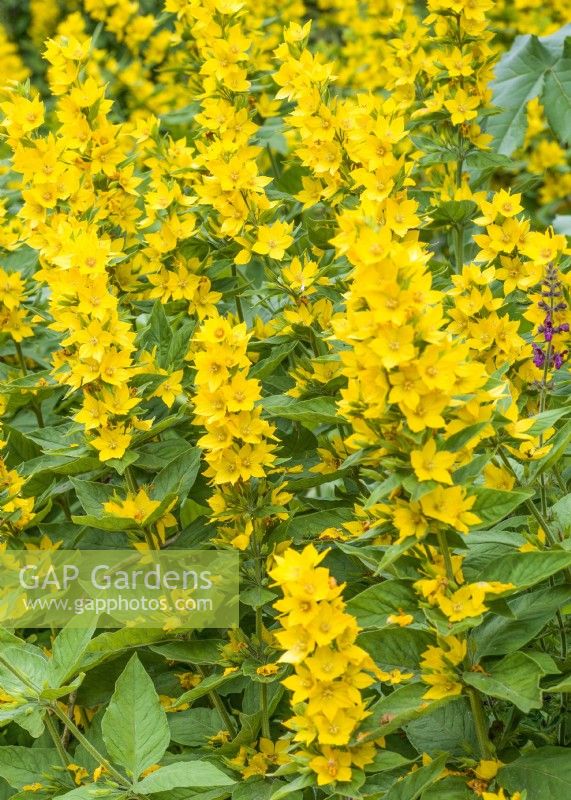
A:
[111, 443]
[462, 107]
[138, 507]
[332, 765]
[273, 240]
[170, 388]
[430, 465]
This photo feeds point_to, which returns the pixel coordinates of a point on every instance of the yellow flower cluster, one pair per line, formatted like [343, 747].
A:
[14, 318]
[236, 436]
[318, 637]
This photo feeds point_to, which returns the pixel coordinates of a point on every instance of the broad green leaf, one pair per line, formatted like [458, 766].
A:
[522, 569]
[412, 785]
[183, 775]
[135, 727]
[178, 477]
[564, 685]
[27, 661]
[492, 505]
[559, 444]
[375, 604]
[450, 788]
[67, 653]
[396, 648]
[299, 783]
[449, 727]
[386, 761]
[20, 766]
[515, 678]
[319, 411]
[195, 726]
[557, 94]
[268, 365]
[561, 516]
[519, 78]
[158, 335]
[544, 773]
[499, 635]
[199, 651]
[452, 212]
[92, 495]
[392, 711]
[112, 643]
[92, 791]
[311, 525]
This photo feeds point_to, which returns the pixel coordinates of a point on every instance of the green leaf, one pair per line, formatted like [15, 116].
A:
[412, 785]
[92, 791]
[299, 783]
[199, 651]
[519, 78]
[392, 711]
[492, 505]
[559, 444]
[178, 477]
[183, 775]
[449, 727]
[206, 685]
[544, 773]
[557, 95]
[499, 635]
[158, 335]
[515, 678]
[135, 727]
[373, 606]
[20, 766]
[67, 652]
[318, 411]
[521, 569]
[113, 643]
[452, 212]
[396, 648]
[195, 726]
[267, 366]
[92, 495]
[563, 685]
[29, 662]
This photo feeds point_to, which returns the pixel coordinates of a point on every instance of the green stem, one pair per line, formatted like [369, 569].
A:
[65, 760]
[131, 482]
[89, 747]
[218, 704]
[480, 723]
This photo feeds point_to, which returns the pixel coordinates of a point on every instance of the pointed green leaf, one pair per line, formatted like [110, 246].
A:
[135, 727]
[183, 775]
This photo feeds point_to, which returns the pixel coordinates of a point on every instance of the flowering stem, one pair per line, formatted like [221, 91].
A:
[480, 723]
[89, 747]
